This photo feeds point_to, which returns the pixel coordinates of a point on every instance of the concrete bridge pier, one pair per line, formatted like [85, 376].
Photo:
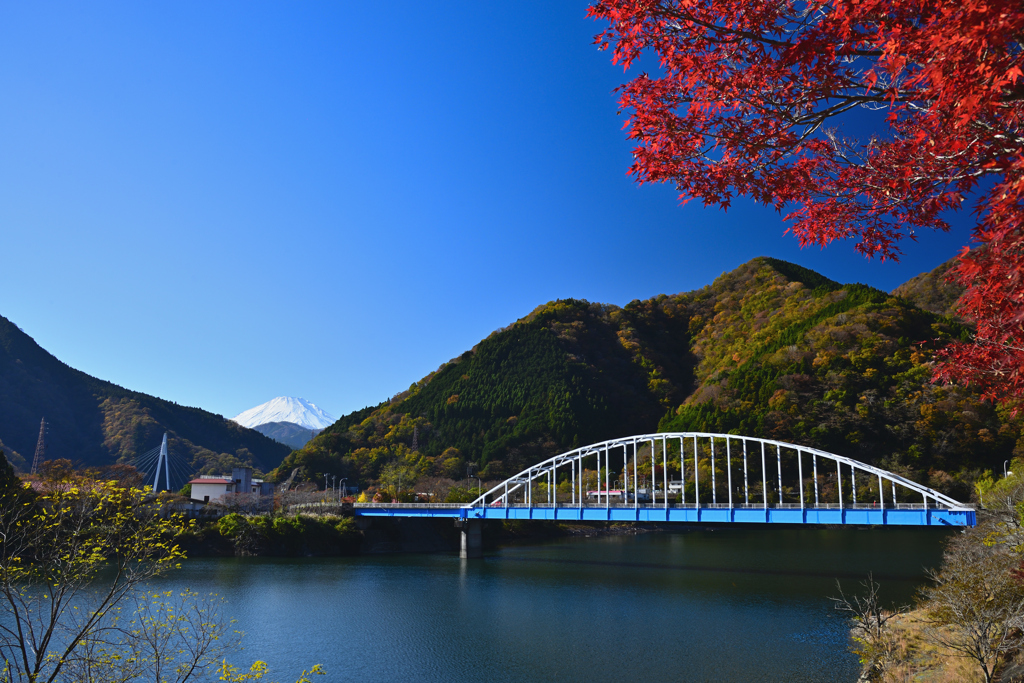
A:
[472, 538]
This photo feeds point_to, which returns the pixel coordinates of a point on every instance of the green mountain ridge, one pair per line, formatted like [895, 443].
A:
[770, 349]
[847, 370]
[931, 291]
[290, 434]
[97, 423]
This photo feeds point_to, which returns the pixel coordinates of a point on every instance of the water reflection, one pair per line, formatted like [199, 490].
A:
[723, 605]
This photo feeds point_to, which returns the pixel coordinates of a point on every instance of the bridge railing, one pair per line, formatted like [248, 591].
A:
[718, 506]
[417, 506]
[713, 471]
[675, 506]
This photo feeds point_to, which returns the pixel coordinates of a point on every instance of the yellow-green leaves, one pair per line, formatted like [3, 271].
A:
[258, 670]
[70, 556]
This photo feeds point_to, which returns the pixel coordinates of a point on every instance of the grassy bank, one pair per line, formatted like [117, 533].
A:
[968, 621]
[918, 658]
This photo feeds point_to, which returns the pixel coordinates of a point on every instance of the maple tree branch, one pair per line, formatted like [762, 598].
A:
[736, 34]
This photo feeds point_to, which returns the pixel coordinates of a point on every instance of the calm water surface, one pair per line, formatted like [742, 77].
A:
[722, 605]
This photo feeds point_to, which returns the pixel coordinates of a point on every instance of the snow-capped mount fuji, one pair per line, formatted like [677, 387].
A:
[289, 420]
[298, 411]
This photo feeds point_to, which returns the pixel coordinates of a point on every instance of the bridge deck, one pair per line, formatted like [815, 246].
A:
[902, 515]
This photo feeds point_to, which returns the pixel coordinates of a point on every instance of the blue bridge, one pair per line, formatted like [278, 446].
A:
[697, 477]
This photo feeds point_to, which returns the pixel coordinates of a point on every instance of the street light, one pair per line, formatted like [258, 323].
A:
[344, 489]
[469, 475]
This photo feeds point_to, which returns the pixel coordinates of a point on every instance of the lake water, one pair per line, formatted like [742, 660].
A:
[721, 605]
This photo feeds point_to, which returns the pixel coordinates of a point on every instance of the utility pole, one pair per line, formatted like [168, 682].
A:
[469, 475]
[40, 456]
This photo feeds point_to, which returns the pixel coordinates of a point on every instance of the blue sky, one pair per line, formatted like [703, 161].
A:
[219, 203]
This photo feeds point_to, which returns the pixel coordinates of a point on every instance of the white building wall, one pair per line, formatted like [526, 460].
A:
[215, 491]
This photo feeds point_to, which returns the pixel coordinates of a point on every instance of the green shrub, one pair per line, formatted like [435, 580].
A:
[230, 525]
[460, 494]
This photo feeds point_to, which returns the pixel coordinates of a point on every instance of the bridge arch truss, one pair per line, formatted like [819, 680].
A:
[721, 477]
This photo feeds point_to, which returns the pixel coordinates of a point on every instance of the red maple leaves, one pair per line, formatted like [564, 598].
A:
[750, 101]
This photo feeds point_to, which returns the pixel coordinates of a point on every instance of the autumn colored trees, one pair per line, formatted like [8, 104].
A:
[749, 97]
[971, 610]
[69, 558]
[77, 561]
[769, 349]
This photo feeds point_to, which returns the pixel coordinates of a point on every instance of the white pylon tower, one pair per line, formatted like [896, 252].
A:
[162, 460]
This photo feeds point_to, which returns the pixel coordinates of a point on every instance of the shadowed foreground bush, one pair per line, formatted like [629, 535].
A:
[291, 536]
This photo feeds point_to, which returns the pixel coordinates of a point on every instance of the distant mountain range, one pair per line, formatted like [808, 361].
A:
[289, 420]
[95, 423]
[288, 433]
[298, 411]
[770, 349]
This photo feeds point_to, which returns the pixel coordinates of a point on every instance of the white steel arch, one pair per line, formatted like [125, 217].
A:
[697, 452]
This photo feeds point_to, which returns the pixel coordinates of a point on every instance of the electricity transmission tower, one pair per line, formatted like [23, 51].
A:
[40, 456]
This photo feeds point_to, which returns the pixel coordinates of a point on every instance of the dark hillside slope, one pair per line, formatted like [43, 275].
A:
[770, 349]
[290, 434]
[97, 423]
[569, 373]
[931, 291]
[562, 373]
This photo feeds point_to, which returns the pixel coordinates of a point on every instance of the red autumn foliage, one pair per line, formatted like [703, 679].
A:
[748, 101]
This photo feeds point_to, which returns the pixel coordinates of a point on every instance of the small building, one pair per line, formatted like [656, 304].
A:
[618, 496]
[210, 488]
[213, 488]
[613, 495]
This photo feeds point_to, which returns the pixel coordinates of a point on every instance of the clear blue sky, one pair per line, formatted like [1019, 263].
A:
[219, 203]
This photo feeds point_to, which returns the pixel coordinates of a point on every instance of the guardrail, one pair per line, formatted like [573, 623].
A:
[661, 506]
[738, 506]
[409, 505]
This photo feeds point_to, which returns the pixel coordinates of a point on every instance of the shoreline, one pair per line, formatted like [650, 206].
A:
[339, 535]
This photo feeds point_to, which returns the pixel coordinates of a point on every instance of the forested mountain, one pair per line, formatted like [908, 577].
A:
[98, 423]
[842, 367]
[288, 433]
[770, 349]
[568, 373]
[931, 291]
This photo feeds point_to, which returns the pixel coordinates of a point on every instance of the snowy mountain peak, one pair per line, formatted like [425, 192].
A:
[285, 409]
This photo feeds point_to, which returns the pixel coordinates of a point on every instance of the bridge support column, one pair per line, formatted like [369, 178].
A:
[472, 539]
